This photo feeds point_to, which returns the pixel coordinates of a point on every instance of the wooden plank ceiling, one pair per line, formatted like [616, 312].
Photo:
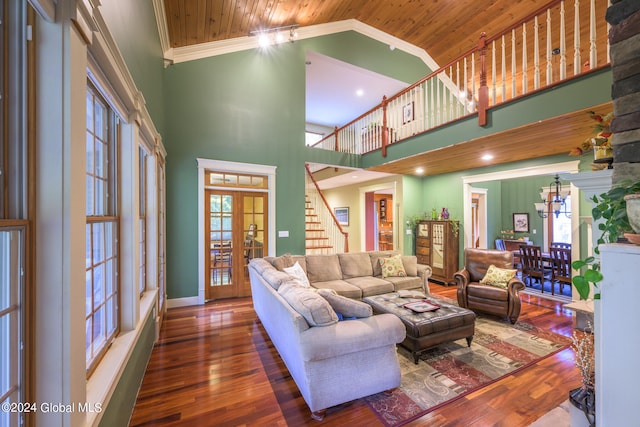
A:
[444, 28]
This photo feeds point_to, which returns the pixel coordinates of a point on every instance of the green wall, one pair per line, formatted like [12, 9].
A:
[133, 26]
[249, 107]
[120, 407]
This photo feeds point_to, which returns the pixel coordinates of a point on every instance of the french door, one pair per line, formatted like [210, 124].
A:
[235, 227]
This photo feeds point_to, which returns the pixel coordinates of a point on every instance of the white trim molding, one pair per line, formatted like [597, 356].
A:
[222, 47]
[234, 167]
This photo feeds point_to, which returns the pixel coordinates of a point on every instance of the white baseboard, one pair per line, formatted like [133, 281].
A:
[183, 302]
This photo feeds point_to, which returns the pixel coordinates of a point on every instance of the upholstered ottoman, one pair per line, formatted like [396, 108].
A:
[429, 328]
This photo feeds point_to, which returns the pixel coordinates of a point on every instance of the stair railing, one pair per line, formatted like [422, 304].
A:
[530, 55]
[338, 238]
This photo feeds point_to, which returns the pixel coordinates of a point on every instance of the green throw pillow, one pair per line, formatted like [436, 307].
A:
[392, 267]
[498, 277]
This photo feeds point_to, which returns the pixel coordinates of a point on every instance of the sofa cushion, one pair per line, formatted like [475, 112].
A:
[298, 273]
[483, 292]
[392, 267]
[288, 260]
[355, 264]
[346, 306]
[272, 276]
[323, 268]
[340, 287]
[375, 260]
[314, 308]
[370, 285]
[410, 263]
[406, 282]
[499, 277]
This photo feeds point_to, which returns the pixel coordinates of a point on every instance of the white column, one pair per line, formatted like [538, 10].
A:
[60, 375]
[617, 337]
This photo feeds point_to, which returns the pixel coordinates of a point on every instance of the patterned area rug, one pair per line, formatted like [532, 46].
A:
[454, 370]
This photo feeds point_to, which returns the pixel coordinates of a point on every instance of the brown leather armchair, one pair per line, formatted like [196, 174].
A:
[485, 298]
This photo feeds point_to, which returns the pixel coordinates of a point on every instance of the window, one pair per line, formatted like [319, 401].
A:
[11, 334]
[14, 203]
[561, 226]
[101, 261]
[142, 221]
[311, 138]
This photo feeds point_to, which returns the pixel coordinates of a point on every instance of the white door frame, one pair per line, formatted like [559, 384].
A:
[553, 168]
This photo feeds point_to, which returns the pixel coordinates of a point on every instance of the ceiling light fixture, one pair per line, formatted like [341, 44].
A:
[277, 35]
[419, 171]
[487, 157]
[553, 201]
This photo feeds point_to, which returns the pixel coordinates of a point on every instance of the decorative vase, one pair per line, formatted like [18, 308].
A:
[583, 405]
[445, 213]
[633, 210]
[434, 214]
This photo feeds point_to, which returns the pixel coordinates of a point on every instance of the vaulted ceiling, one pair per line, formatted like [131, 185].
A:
[445, 29]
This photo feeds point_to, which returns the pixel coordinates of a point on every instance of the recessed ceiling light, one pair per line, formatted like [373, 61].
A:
[487, 157]
[419, 171]
[354, 176]
[359, 92]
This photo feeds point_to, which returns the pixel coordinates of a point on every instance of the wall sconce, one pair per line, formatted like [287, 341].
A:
[277, 35]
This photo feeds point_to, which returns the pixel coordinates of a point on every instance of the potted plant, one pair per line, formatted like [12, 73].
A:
[612, 208]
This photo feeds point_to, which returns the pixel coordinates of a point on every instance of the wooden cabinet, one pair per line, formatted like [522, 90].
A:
[437, 246]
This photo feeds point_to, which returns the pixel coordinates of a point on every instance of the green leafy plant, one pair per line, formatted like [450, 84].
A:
[612, 209]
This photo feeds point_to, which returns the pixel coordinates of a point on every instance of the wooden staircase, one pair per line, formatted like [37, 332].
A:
[317, 241]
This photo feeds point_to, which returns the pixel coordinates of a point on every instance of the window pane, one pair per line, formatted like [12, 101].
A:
[89, 110]
[109, 268]
[98, 285]
[88, 305]
[99, 328]
[100, 169]
[98, 242]
[90, 194]
[87, 345]
[110, 239]
[99, 120]
[88, 247]
[100, 197]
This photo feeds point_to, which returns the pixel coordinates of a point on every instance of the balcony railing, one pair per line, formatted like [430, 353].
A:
[538, 52]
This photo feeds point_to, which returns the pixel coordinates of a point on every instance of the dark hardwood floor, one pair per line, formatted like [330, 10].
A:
[214, 365]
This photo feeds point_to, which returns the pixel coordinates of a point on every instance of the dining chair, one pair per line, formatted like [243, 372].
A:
[560, 245]
[533, 266]
[561, 267]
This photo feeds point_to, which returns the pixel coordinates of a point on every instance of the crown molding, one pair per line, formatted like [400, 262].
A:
[222, 47]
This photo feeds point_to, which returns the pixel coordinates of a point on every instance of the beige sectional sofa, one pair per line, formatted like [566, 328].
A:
[341, 360]
[357, 274]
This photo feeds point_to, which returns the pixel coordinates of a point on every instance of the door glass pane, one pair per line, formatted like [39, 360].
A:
[221, 236]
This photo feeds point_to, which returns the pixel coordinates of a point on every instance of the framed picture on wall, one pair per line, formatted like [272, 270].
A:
[407, 113]
[342, 215]
[521, 222]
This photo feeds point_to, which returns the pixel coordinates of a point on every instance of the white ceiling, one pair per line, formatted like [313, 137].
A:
[332, 100]
[331, 87]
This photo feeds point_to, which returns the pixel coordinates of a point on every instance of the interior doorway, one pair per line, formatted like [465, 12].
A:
[380, 211]
[234, 234]
[479, 218]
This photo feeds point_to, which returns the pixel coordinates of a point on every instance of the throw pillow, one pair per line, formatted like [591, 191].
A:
[498, 277]
[346, 306]
[314, 308]
[298, 273]
[392, 267]
[283, 261]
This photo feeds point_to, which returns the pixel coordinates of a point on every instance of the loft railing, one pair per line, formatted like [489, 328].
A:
[338, 239]
[535, 53]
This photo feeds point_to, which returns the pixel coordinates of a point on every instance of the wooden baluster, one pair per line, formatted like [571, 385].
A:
[461, 109]
[504, 68]
[513, 63]
[549, 49]
[524, 59]
[472, 102]
[493, 73]
[385, 133]
[536, 55]
[593, 50]
[577, 62]
[483, 91]
[563, 49]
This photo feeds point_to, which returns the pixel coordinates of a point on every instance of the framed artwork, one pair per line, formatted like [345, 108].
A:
[342, 215]
[521, 222]
[407, 113]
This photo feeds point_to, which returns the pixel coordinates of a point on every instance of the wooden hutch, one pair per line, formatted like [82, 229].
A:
[437, 246]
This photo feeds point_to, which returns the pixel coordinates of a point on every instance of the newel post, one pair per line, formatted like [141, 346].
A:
[385, 132]
[335, 131]
[483, 91]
